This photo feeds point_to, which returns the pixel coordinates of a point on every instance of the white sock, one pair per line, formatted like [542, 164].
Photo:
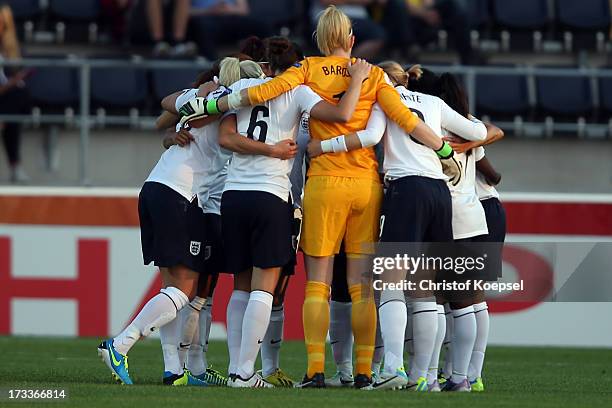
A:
[168, 334]
[464, 336]
[392, 315]
[254, 327]
[270, 348]
[158, 311]
[432, 374]
[447, 345]
[341, 335]
[189, 322]
[235, 315]
[196, 357]
[424, 329]
[379, 349]
[481, 314]
[408, 344]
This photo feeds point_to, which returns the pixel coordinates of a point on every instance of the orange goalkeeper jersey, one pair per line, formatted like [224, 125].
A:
[329, 77]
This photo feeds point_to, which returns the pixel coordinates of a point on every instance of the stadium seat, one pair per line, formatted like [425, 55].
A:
[24, 9]
[55, 87]
[566, 96]
[502, 94]
[81, 10]
[123, 87]
[589, 15]
[521, 14]
[167, 81]
[479, 12]
[275, 12]
[605, 94]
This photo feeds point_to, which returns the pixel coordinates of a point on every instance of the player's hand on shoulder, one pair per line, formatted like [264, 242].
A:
[314, 148]
[459, 144]
[285, 149]
[360, 69]
[207, 87]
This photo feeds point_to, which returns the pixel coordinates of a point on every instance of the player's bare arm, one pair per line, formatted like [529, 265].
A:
[485, 167]
[460, 145]
[230, 139]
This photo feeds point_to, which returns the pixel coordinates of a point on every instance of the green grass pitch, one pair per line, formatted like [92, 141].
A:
[514, 377]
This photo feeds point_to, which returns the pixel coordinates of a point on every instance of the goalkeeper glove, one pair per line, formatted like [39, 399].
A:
[197, 108]
[450, 166]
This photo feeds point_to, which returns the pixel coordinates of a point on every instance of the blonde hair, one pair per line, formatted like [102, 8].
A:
[8, 36]
[232, 69]
[395, 72]
[334, 30]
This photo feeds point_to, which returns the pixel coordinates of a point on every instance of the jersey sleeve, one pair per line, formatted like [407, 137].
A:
[306, 98]
[461, 126]
[375, 129]
[479, 153]
[391, 103]
[292, 77]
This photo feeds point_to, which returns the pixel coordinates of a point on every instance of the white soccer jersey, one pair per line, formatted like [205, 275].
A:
[469, 218]
[194, 169]
[483, 189]
[270, 123]
[405, 155]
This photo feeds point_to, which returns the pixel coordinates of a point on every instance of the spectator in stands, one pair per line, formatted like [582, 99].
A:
[174, 45]
[14, 98]
[223, 20]
[115, 13]
[427, 16]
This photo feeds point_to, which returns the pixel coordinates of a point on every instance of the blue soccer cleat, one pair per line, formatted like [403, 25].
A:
[184, 379]
[115, 361]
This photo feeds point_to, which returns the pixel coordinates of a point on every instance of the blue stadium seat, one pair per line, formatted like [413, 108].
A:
[24, 9]
[521, 14]
[479, 12]
[584, 14]
[502, 94]
[80, 10]
[167, 81]
[123, 87]
[605, 94]
[564, 95]
[56, 87]
[275, 12]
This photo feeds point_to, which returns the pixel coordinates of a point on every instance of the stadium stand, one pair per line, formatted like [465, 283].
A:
[166, 81]
[502, 96]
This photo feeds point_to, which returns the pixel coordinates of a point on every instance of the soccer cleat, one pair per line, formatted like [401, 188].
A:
[115, 361]
[316, 381]
[463, 386]
[477, 385]
[441, 378]
[254, 381]
[182, 379]
[420, 385]
[212, 377]
[279, 379]
[340, 379]
[434, 386]
[361, 381]
[395, 381]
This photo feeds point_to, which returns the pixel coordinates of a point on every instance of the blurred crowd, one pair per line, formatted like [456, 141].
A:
[178, 28]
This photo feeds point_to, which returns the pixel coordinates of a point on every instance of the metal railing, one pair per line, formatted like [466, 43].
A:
[85, 120]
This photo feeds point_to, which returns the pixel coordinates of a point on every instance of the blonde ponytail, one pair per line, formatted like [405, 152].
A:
[415, 72]
[395, 72]
[231, 70]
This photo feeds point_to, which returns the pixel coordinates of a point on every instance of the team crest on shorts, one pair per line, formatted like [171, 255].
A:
[207, 252]
[194, 248]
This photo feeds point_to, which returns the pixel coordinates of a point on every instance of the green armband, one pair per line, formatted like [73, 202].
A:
[211, 107]
[445, 151]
